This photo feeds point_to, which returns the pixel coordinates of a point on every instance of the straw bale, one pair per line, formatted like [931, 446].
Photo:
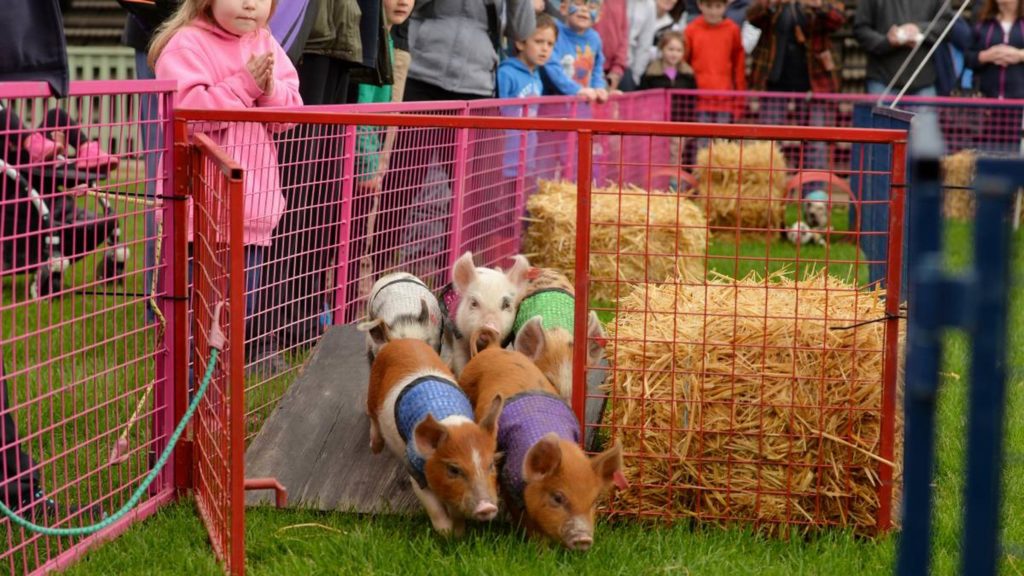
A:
[742, 184]
[754, 407]
[958, 173]
[635, 235]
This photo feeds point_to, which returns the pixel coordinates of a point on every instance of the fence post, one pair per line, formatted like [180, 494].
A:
[582, 281]
[348, 172]
[459, 172]
[894, 285]
[571, 142]
[175, 285]
[236, 373]
[924, 354]
[996, 186]
[517, 223]
[163, 420]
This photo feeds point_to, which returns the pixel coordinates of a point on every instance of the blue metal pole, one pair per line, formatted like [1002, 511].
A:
[924, 351]
[987, 396]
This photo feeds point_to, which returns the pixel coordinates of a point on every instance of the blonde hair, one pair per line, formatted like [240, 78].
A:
[188, 11]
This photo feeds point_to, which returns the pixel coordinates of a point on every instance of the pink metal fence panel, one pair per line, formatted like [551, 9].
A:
[987, 125]
[86, 372]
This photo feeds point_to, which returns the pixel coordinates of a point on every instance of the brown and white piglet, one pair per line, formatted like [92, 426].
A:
[549, 299]
[551, 349]
[426, 420]
[548, 482]
[486, 297]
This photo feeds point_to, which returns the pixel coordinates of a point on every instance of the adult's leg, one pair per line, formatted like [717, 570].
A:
[152, 138]
[310, 158]
[17, 482]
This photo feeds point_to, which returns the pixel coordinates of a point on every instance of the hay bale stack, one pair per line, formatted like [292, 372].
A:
[742, 184]
[740, 404]
[636, 236]
[958, 173]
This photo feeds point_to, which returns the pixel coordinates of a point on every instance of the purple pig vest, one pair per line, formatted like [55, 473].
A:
[526, 418]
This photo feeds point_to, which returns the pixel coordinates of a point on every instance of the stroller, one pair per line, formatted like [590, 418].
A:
[45, 230]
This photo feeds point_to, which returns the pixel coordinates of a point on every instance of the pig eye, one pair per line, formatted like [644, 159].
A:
[558, 499]
[506, 303]
[454, 471]
[473, 303]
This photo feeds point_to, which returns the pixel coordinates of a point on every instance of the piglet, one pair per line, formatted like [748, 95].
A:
[425, 419]
[544, 327]
[547, 481]
[486, 297]
[401, 306]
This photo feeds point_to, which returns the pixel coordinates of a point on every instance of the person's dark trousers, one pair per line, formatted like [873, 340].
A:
[17, 484]
[304, 248]
[415, 152]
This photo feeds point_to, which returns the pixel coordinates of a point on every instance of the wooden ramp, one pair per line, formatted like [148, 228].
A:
[317, 440]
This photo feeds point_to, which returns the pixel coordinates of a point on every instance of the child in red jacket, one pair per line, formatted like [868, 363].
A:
[714, 50]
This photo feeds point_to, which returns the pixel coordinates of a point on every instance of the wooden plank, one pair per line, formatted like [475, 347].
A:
[317, 440]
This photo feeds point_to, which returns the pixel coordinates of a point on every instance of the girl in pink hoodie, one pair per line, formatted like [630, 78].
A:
[222, 56]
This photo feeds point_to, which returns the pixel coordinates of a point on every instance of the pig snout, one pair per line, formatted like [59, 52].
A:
[580, 542]
[579, 534]
[485, 511]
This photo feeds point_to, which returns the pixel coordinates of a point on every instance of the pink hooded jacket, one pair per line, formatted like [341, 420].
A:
[209, 65]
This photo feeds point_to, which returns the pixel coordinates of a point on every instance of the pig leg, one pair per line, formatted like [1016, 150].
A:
[435, 509]
[460, 356]
[458, 523]
[376, 438]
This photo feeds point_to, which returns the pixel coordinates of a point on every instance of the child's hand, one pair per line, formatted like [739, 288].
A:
[370, 185]
[602, 95]
[588, 94]
[262, 70]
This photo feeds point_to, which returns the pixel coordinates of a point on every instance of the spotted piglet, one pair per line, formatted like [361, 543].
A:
[482, 298]
[544, 327]
[400, 306]
[426, 420]
[548, 483]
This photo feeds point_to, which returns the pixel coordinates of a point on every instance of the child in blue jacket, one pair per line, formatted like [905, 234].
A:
[577, 62]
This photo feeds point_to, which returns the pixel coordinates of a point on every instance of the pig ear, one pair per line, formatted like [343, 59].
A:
[464, 272]
[595, 339]
[531, 340]
[378, 331]
[543, 458]
[428, 436]
[519, 272]
[424, 312]
[489, 423]
[607, 463]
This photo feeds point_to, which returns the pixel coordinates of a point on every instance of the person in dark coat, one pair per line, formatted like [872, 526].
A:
[142, 22]
[997, 57]
[346, 45]
[669, 70]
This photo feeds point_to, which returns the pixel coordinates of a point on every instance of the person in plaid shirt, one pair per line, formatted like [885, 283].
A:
[794, 54]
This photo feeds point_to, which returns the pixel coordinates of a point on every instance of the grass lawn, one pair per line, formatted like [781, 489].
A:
[310, 542]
